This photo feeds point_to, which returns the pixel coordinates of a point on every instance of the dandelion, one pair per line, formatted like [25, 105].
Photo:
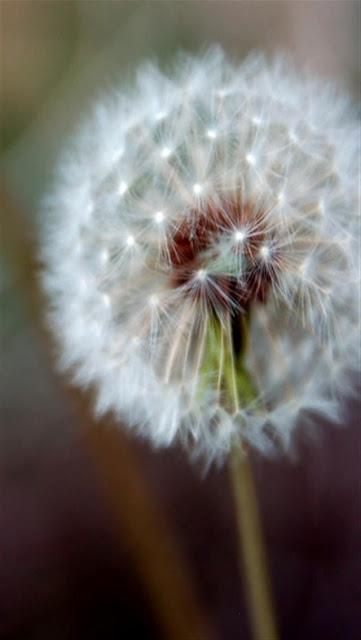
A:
[201, 254]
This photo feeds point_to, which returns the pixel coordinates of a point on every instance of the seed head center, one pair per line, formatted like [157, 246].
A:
[216, 257]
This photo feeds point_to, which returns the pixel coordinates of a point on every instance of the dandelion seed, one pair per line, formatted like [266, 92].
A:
[239, 236]
[159, 217]
[153, 300]
[321, 207]
[251, 159]
[257, 323]
[211, 134]
[106, 299]
[265, 252]
[257, 120]
[197, 188]
[104, 256]
[165, 152]
[201, 275]
[161, 115]
[123, 187]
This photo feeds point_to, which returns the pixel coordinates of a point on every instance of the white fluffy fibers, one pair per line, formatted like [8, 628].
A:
[201, 253]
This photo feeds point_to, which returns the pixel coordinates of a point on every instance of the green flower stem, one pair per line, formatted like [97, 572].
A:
[237, 391]
[252, 548]
[233, 381]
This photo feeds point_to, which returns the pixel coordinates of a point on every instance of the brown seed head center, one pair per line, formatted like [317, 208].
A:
[196, 245]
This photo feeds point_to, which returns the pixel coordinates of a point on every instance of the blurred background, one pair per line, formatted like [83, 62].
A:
[101, 537]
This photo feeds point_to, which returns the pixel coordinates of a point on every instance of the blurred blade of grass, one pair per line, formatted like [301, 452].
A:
[11, 304]
[155, 552]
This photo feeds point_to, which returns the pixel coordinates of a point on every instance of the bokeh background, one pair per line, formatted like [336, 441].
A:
[94, 526]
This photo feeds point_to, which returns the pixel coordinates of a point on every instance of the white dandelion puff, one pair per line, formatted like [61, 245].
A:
[201, 256]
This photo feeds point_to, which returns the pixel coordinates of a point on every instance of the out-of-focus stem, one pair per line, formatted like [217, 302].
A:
[154, 550]
[254, 562]
[138, 519]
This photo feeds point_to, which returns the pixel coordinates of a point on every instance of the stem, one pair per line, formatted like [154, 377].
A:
[150, 541]
[237, 389]
[138, 519]
[252, 548]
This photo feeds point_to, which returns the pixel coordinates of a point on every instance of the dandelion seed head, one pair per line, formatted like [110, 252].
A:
[177, 259]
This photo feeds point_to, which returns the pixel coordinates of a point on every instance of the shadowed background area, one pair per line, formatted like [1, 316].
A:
[95, 527]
